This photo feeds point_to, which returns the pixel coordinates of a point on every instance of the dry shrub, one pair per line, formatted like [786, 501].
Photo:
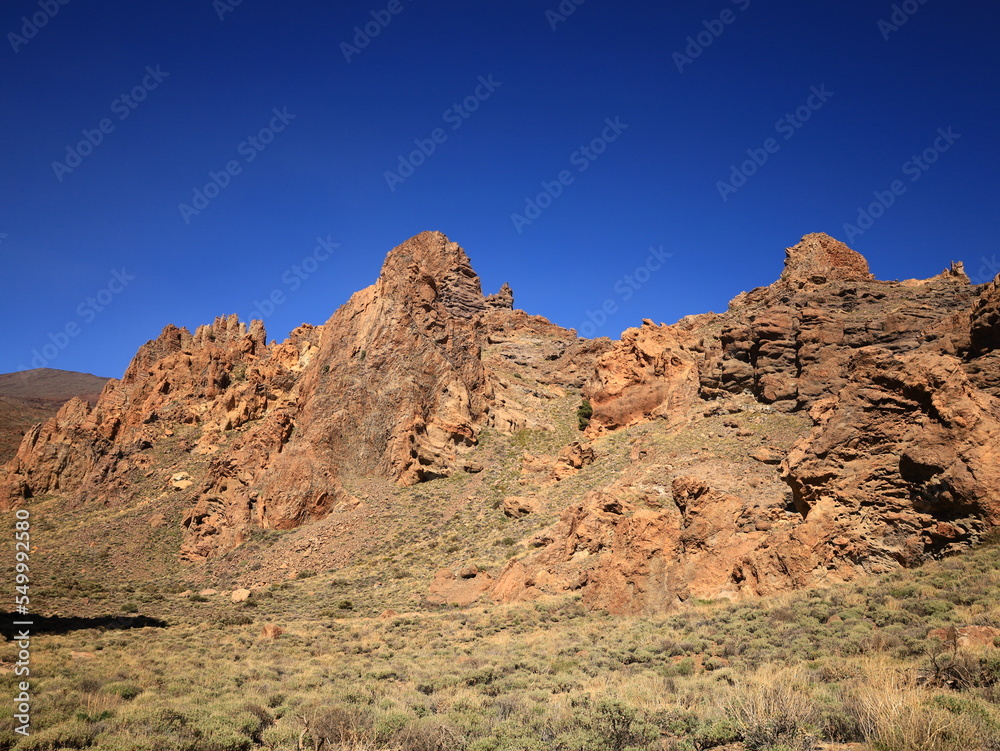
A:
[774, 706]
[429, 735]
[339, 727]
[895, 714]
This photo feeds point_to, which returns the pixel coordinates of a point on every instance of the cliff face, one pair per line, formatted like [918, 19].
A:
[826, 426]
[899, 380]
[393, 385]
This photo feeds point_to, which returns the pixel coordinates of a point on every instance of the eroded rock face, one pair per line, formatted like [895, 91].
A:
[982, 357]
[399, 386]
[901, 466]
[901, 379]
[789, 344]
[651, 373]
[220, 378]
[908, 440]
[396, 388]
[394, 385]
[626, 550]
[530, 362]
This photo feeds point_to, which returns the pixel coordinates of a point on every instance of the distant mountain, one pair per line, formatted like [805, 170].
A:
[33, 396]
[49, 384]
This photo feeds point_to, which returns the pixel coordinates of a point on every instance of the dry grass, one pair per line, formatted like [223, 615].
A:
[895, 714]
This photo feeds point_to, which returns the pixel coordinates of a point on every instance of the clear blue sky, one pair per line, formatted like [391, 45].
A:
[198, 86]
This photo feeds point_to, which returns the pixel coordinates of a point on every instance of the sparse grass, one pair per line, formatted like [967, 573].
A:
[775, 673]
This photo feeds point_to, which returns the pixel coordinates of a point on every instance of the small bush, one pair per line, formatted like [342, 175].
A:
[614, 726]
[583, 414]
[773, 708]
[126, 691]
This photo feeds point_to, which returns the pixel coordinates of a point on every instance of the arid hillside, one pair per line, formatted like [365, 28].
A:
[826, 427]
[438, 523]
[33, 396]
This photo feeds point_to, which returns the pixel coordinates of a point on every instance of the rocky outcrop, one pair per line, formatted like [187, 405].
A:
[698, 475]
[546, 470]
[502, 300]
[819, 259]
[651, 373]
[462, 587]
[789, 344]
[396, 388]
[394, 385]
[900, 468]
[400, 388]
[625, 549]
[216, 380]
[910, 441]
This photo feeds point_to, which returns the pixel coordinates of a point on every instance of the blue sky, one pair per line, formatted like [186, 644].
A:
[559, 148]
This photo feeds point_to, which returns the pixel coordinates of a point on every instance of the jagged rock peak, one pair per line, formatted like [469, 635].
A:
[819, 258]
[224, 331]
[504, 299]
[428, 267]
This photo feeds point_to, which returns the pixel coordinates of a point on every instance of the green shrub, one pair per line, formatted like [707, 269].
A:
[126, 691]
[614, 726]
[583, 414]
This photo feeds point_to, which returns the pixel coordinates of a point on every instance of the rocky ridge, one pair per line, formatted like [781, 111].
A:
[824, 427]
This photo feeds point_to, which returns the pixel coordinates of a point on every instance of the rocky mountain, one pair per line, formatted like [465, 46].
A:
[32, 396]
[827, 426]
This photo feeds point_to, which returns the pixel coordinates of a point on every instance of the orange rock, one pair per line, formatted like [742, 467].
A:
[966, 636]
[270, 631]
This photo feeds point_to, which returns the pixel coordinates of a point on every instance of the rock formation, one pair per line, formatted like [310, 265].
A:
[900, 466]
[826, 426]
[395, 384]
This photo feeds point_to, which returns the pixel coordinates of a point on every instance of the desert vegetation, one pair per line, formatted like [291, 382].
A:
[851, 664]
